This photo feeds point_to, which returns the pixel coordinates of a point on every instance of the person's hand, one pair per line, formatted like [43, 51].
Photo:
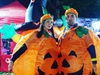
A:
[10, 65]
[7, 31]
[94, 68]
[32, 0]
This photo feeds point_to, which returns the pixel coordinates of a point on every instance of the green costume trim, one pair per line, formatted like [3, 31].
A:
[66, 7]
[46, 34]
[80, 31]
[44, 11]
[94, 59]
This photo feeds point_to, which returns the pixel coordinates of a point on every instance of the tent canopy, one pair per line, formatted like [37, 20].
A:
[12, 13]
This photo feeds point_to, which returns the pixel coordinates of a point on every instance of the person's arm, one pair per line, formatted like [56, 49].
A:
[17, 54]
[21, 46]
[96, 42]
[18, 51]
[91, 49]
[92, 52]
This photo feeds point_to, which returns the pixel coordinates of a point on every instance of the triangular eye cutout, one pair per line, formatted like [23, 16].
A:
[48, 55]
[72, 53]
[65, 63]
[54, 65]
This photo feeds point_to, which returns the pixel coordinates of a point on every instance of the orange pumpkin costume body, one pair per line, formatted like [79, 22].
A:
[29, 62]
[44, 57]
[72, 42]
[75, 50]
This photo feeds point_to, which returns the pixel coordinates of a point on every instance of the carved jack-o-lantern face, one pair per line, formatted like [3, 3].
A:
[57, 63]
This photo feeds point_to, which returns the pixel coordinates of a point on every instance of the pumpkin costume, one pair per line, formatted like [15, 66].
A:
[77, 55]
[45, 57]
[88, 36]
[33, 49]
[31, 61]
[73, 56]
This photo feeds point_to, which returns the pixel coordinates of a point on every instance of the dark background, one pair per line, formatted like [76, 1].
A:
[85, 8]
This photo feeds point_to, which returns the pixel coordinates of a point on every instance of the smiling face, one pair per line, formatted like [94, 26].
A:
[71, 19]
[48, 24]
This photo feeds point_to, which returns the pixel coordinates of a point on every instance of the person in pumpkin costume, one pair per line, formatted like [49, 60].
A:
[32, 50]
[80, 47]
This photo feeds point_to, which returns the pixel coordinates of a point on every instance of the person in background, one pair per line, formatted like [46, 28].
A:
[80, 42]
[32, 16]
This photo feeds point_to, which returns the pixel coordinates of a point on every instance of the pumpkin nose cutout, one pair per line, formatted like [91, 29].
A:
[54, 65]
[65, 63]
[59, 55]
[72, 53]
